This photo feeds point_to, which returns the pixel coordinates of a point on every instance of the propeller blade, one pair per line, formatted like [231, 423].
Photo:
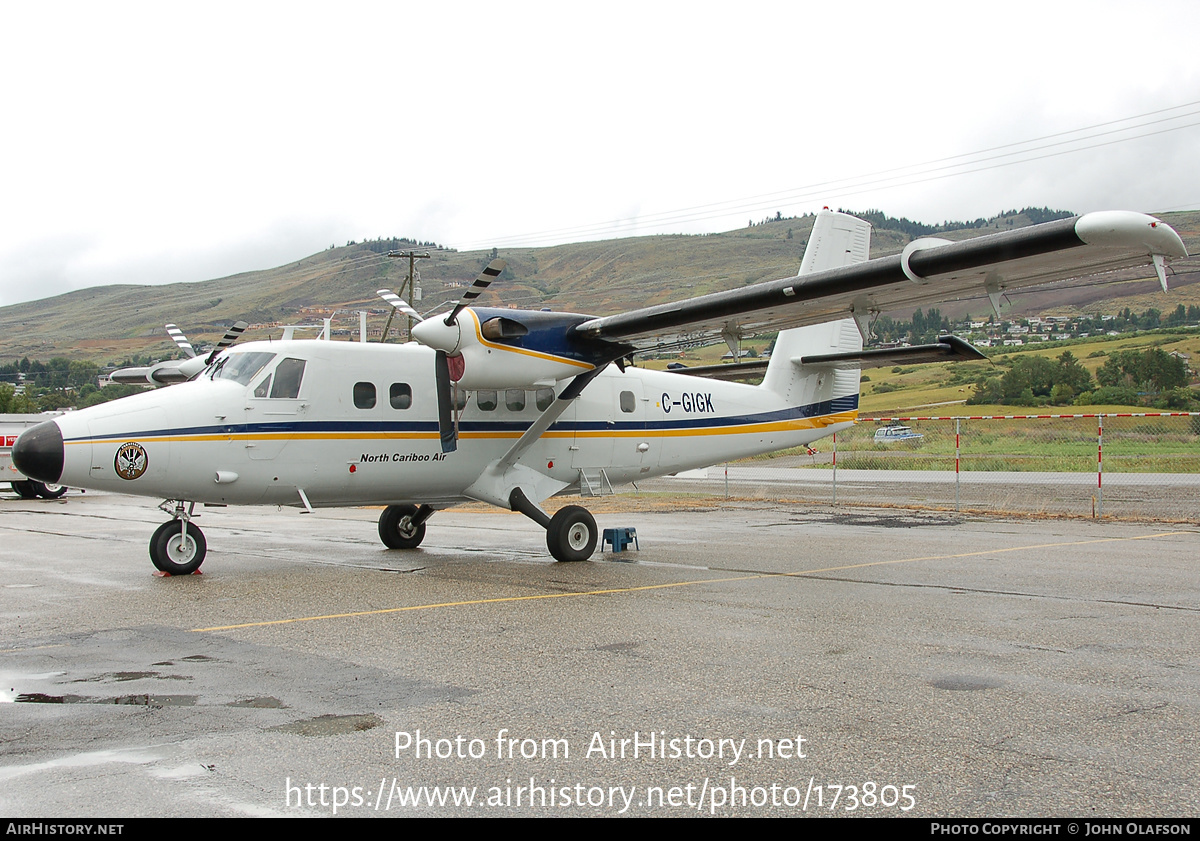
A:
[399, 303]
[445, 398]
[477, 288]
[181, 340]
[231, 336]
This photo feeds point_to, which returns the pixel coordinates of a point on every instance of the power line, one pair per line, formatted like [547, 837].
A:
[816, 190]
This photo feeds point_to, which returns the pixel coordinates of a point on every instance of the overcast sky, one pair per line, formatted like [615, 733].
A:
[163, 142]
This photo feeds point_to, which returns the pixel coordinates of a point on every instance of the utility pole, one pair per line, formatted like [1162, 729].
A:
[407, 291]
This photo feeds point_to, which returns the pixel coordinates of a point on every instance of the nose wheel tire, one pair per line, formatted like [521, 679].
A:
[572, 534]
[25, 489]
[49, 491]
[174, 554]
[398, 528]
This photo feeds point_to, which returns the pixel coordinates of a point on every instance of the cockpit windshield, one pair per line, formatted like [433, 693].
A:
[239, 367]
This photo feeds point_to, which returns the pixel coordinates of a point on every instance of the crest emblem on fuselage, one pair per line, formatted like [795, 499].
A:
[130, 461]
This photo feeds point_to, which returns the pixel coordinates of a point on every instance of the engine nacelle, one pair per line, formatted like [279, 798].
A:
[499, 348]
[162, 373]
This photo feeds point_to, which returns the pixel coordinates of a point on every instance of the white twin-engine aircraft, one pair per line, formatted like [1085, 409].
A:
[512, 407]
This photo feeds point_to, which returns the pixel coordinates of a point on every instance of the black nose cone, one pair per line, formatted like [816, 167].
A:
[38, 453]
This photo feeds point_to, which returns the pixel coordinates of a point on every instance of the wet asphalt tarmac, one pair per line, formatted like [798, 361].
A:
[749, 659]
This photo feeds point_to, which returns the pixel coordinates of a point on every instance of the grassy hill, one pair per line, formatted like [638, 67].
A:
[942, 389]
[602, 277]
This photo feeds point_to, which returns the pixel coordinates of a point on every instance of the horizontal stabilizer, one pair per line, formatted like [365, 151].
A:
[734, 371]
[947, 349]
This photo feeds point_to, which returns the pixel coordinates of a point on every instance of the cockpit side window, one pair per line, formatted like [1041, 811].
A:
[240, 367]
[288, 375]
[264, 388]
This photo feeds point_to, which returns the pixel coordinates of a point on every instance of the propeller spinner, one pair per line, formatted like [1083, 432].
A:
[444, 334]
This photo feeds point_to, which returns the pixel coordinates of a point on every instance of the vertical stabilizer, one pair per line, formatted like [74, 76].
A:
[837, 240]
[802, 385]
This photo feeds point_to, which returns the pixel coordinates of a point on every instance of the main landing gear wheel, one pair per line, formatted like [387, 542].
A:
[571, 535]
[49, 491]
[398, 528]
[175, 555]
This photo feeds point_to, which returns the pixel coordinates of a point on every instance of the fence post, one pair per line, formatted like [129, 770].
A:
[1100, 465]
[727, 480]
[957, 429]
[835, 468]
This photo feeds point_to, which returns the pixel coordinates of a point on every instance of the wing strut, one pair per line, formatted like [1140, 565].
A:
[548, 417]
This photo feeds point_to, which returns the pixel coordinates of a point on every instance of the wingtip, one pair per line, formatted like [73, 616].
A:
[1128, 229]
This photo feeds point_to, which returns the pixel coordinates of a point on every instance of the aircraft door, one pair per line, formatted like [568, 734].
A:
[610, 429]
[630, 444]
[273, 407]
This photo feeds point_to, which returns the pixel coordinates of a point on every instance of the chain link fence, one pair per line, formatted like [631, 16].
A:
[1144, 465]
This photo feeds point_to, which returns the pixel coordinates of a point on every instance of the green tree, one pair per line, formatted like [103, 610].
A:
[1152, 371]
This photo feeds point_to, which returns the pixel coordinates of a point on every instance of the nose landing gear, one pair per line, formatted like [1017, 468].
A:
[178, 546]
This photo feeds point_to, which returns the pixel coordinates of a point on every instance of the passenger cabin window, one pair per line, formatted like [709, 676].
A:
[514, 399]
[364, 395]
[400, 395]
[487, 400]
[628, 404]
[544, 397]
[288, 375]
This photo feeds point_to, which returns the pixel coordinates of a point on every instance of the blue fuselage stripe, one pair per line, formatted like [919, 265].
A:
[316, 427]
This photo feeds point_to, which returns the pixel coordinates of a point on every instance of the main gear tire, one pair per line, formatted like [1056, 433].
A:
[397, 528]
[572, 534]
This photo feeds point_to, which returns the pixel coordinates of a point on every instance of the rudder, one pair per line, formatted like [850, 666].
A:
[837, 239]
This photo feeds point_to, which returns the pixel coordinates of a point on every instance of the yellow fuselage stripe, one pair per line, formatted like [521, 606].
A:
[733, 429]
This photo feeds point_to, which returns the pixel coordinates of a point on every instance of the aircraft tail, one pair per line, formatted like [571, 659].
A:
[828, 388]
[837, 239]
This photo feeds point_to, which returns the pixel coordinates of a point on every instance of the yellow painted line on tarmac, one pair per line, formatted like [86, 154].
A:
[618, 590]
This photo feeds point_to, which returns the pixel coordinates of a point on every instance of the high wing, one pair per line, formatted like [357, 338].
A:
[928, 271]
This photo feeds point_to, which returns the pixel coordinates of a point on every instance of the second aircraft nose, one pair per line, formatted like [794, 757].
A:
[38, 453]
